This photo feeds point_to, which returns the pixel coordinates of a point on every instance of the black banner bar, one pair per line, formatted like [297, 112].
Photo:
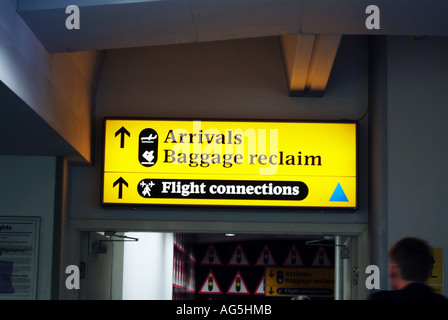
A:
[222, 189]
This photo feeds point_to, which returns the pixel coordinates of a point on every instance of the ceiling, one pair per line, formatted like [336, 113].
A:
[109, 24]
[23, 132]
[311, 29]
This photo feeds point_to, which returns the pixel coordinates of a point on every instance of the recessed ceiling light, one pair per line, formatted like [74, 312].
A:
[230, 234]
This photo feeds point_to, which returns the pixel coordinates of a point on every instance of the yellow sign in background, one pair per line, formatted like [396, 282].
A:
[321, 156]
[435, 279]
[298, 281]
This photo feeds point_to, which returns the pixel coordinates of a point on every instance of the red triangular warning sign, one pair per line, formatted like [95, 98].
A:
[210, 285]
[261, 288]
[192, 257]
[321, 259]
[238, 257]
[293, 259]
[265, 258]
[238, 286]
[211, 257]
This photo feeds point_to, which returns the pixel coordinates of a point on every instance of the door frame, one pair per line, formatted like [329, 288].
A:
[77, 226]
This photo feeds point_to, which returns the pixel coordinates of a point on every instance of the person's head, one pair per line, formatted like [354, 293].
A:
[410, 261]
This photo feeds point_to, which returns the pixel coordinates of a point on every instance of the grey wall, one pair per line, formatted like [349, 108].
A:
[240, 79]
[27, 188]
[417, 151]
[408, 172]
[378, 89]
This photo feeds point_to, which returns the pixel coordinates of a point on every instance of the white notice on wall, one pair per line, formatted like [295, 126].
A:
[19, 244]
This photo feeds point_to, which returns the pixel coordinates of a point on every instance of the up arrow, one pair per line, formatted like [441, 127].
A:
[120, 181]
[122, 131]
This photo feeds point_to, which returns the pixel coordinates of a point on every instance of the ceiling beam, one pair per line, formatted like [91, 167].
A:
[308, 62]
[53, 92]
[109, 24]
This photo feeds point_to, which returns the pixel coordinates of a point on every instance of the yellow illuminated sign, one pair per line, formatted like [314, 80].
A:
[435, 279]
[298, 281]
[236, 163]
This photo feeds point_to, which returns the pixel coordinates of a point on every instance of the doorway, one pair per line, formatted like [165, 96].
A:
[101, 262]
[193, 266]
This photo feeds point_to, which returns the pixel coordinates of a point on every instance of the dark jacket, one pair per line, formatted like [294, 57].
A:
[414, 291]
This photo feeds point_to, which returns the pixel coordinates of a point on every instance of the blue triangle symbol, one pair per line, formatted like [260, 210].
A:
[338, 194]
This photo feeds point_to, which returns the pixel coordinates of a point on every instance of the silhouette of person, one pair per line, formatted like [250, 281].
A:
[410, 262]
